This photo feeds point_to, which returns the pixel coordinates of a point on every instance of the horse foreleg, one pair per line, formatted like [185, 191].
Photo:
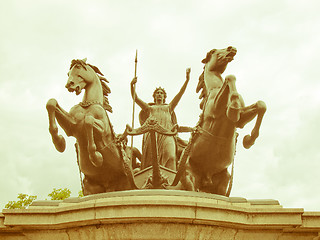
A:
[58, 140]
[258, 109]
[90, 123]
[216, 101]
[235, 103]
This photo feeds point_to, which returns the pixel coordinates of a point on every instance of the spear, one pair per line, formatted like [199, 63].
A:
[134, 100]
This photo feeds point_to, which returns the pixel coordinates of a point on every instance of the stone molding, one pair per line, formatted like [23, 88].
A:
[158, 211]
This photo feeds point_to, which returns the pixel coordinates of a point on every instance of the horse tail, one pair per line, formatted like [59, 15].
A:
[232, 168]
[76, 145]
[183, 160]
[127, 169]
[231, 180]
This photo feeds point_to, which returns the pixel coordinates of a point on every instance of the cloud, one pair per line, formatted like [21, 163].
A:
[276, 62]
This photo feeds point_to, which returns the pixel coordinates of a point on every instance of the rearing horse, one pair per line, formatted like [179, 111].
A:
[212, 146]
[101, 158]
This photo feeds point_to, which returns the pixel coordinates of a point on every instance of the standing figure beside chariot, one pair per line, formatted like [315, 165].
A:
[103, 158]
[164, 114]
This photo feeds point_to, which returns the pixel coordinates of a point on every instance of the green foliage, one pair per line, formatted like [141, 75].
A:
[80, 193]
[59, 194]
[23, 202]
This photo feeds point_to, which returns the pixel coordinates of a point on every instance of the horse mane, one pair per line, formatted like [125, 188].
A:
[105, 88]
[201, 84]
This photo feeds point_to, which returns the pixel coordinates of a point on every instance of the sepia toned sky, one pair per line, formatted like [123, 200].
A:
[277, 62]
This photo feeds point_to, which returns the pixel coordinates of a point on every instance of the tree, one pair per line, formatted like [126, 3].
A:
[59, 194]
[80, 193]
[23, 202]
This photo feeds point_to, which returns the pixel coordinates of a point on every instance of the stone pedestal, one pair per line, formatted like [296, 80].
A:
[159, 214]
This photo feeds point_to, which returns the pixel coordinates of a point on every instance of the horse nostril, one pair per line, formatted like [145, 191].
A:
[69, 84]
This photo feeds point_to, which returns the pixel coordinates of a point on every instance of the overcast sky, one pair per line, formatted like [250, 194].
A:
[278, 45]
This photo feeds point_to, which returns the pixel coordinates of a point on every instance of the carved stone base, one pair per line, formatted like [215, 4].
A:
[159, 214]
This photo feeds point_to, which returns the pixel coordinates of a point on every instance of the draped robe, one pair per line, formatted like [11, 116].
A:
[166, 145]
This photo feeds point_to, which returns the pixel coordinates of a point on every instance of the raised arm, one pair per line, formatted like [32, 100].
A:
[177, 98]
[141, 103]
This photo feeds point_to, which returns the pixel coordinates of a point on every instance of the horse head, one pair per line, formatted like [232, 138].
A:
[218, 59]
[216, 62]
[79, 76]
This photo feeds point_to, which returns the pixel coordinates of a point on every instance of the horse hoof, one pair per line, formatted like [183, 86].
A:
[97, 159]
[247, 141]
[59, 143]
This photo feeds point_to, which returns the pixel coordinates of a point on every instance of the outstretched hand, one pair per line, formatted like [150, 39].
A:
[188, 70]
[134, 81]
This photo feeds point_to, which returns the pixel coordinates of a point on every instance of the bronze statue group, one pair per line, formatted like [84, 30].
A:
[107, 164]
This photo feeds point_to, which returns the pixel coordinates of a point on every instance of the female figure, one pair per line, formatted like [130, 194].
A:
[164, 114]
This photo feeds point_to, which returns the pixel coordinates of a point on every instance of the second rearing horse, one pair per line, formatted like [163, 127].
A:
[101, 158]
[212, 145]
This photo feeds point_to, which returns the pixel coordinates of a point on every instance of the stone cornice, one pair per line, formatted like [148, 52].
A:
[162, 207]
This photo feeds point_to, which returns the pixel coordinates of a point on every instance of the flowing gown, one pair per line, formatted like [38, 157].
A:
[166, 145]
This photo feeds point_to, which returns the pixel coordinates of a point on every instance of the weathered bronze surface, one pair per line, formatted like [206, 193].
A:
[201, 164]
[164, 114]
[211, 148]
[102, 158]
